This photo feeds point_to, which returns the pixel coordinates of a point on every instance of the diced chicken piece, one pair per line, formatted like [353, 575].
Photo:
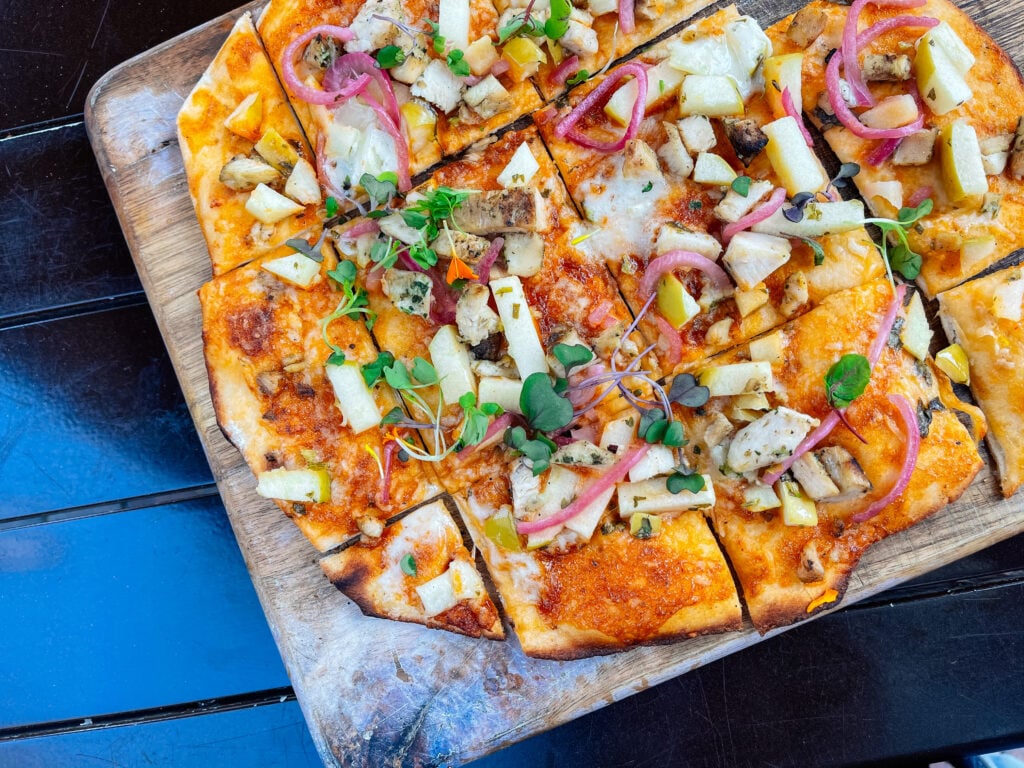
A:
[746, 137]
[488, 97]
[439, 85]
[673, 153]
[719, 333]
[640, 162]
[735, 206]
[601, 7]
[995, 163]
[394, 226]
[795, 294]
[579, 38]
[563, 335]
[810, 568]
[697, 133]
[716, 428]
[410, 291]
[371, 32]
[416, 60]
[806, 26]
[526, 494]
[673, 237]
[1017, 151]
[771, 438]
[845, 472]
[243, 173]
[611, 339]
[321, 52]
[813, 477]
[583, 453]
[991, 203]
[916, 149]
[886, 67]
[474, 317]
[452, 242]
[504, 210]
[524, 253]
[752, 256]
[504, 367]
[995, 153]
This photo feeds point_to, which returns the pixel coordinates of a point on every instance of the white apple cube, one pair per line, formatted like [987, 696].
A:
[302, 185]
[353, 397]
[524, 345]
[453, 23]
[916, 333]
[819, 219]
[312, 485]
[713, 170]
[521, 168]
[270, 207]
[659, 460]
[798, 168]
[503, 391]
[752, 256]
[653, 496]
[737, 378]
[450, 357]
[710, 95]
[295, 268]
[663, 80]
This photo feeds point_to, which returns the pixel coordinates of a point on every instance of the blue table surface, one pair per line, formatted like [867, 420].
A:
[130, 633]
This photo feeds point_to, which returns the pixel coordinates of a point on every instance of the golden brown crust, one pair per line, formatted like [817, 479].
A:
[241, 68]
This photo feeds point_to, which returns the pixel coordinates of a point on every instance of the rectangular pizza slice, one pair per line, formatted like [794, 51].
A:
[283, 345]
[691, 214]
[983, 317]
[476, 275]
[417, 570]
[935, 116]
[250, 171]
[823, 438]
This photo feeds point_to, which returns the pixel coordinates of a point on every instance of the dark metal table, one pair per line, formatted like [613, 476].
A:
[129, 630]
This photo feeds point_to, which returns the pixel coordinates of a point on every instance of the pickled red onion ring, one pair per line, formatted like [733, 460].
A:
[567, 67]
[390, 447]
[599, 313]
[500, 424]
[500, 67]
[882, 152]
[616, 473]
[911, 452]
[352, 67]
[756, 216]
[920, 195]
[792, 111]
[483, 267]
[627, 22]
[852, 43]
[670, 260]
[566, 128]
[829, 422]
[291, 77]
[673, 344]
[364, 227]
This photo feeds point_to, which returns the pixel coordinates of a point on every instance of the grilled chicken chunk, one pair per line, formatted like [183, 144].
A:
[469, 248]
[504, 210]
[845, 472]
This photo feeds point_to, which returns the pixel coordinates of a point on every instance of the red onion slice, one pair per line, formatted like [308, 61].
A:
[483, 267]
[390, 448]
[616, 473]
[913, 448]
[627, 22]
[882, 337]
[671, 260]
[561, 73]
[566, 128]
[796, 114]
[599, 313]
[364, 227]
[673, 345]
[861, 94]
[500, 67]
[920, 195]
[882, 152]
[756, 216]
[352, 67]
[291, 77]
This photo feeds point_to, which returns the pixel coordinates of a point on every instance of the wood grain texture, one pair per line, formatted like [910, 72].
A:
[382, 693]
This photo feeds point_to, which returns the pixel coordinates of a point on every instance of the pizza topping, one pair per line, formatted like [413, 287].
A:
[473, 315]
[886, 67]
[774, 436]
[731, 207]
[521, 168]
[912, 436]
[567, 127]
[440, 86]
[746, 137]
[643, 525]
[807, 24]
[751, 257]
[302, 485]
[797, 508]
[814, 477]
[952, 361]
[810, 568]
[666, 263]
[243, 173]
[503, 210]
[626, 19]
[410, 291]
[524, 253]
[654, 497]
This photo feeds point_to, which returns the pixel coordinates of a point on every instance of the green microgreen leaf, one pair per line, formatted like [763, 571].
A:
[384, 252]
[397, 375]
[679, 481]
[687, 392]
[819, 252]
[372, 372]
[344, 274]
[578, 78]
[537, 451]
[390, 56]
[423, 371]
[543, 408]
[331, 206]
[674, 436]
[558, 24]
[741, 185]
[423, 254]
[393, 416]
[408, 563]
[905, 261]
[457, 63]
[572, 356]
[380, 188]
[846, 380]
[898, 255]
[415, 219]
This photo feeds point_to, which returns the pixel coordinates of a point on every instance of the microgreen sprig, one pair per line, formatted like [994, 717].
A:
[845, 381]
[354, 303]
[901, 257]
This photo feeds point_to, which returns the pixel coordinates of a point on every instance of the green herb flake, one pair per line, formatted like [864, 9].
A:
[408, 565]
[679, 481]
[695, 205]
[331, 206]
[390, 56]
[457, 63]
[648, 186]
[846, 380]
[741, 185]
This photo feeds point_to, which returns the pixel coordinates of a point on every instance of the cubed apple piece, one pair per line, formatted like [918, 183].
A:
[796, 165]
[781, 72]
[439, 85]
[748, 45]
[618, 434]
[675, 237]
[524, 58]
[585, 523]
[654, 497]
[735, 206]
[940, 82]
[710, 95]
[295, 268]
[819, 219]
[760, 498]
[302, 185]
[797, 508]
[713, 170]
[719, 333]
[437, 595]
[644, 525]
[501, 529]
[737, 378]
[749, 301]
[409, 71]
[659, 460]
[295, 484]
[891, 112]
[697, 133]
[451, 360]
[963, 173]
[916, 333]
[247, 117]
[673, 152]
[751, 257]
[767, 348]
[420, 125]
[771, 438]
[876, 192]
[976, 252]
[524, 253]
[353, 398]
[663, 80]
[521, 168]
[601, 7]
[488, 97]
[1008, 297]
[995, 162]
[949, 41]
[481, 55]
[453, 23]
[277, 151]
[269, 207]
[524, 345]
[953, 362]
[503, 391]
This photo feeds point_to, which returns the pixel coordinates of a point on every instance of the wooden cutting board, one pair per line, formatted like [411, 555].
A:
[382, 693]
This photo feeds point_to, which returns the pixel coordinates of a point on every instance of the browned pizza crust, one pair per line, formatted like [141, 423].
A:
[370, 572]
